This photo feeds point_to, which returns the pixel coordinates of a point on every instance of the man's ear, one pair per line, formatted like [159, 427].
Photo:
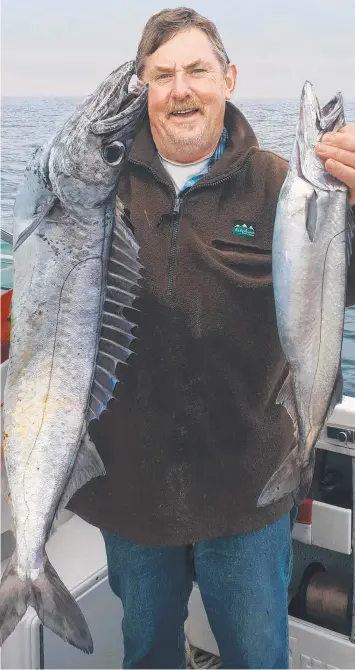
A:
[231, 80]
[139, 83]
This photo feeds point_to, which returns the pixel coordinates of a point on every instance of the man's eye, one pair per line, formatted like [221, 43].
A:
[164, 75]
[198, 70]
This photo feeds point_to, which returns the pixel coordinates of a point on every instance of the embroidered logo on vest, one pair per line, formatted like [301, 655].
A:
[242, 230]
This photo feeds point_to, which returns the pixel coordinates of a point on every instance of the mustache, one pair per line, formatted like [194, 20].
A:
[183, 106]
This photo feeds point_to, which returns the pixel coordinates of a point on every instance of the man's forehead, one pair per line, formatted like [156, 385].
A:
[167, 64]
[186, 47]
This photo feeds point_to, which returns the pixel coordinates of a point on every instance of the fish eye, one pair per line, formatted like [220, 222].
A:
[113, 153]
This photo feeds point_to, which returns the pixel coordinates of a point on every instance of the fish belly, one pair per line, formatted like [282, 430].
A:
[58, 288]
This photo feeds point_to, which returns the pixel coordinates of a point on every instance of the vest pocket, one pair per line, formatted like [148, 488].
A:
[250, 263]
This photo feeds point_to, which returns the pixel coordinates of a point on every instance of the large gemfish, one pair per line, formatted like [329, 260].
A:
[75, 270]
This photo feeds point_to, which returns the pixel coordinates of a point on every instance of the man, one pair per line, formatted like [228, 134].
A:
[195, 433]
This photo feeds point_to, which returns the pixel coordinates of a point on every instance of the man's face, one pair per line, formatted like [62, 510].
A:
[187, 92]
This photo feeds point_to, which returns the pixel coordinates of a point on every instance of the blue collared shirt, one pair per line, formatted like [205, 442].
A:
[215, 156]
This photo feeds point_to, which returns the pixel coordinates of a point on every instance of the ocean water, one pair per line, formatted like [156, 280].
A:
[27, 122]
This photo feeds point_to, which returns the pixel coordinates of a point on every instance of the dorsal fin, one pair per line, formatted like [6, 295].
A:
[116, 330]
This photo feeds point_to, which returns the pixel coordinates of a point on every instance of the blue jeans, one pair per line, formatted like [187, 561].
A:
[243, 582]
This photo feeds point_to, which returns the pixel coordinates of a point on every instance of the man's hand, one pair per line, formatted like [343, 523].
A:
[337, 151]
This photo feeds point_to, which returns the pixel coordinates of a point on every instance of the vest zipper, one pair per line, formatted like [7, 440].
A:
[177, 205]
[178, 202]
[173, 244]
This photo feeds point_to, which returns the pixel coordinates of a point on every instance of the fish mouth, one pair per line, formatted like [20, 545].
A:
[114, 107]
[314, 121]
[324, 119]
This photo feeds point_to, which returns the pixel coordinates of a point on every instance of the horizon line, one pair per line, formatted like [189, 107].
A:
[84, 95]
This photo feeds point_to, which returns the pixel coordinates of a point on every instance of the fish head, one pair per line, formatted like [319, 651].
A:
[314, 121]
[88, 154]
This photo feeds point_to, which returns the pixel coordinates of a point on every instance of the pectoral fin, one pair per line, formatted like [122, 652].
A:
[349, 233]
[43, 209]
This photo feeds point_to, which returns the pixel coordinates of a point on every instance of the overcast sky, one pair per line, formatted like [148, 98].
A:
[66, 47]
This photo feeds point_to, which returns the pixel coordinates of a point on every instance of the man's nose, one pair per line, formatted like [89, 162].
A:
[181, 85]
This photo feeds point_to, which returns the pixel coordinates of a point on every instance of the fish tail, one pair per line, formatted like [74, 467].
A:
[284, 481]
[54, 604]
[14, 599]
[291, 478]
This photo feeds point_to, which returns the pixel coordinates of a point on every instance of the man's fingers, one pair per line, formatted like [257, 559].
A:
[349, 128]
[342, 172]
[345, 140]
[326, 151]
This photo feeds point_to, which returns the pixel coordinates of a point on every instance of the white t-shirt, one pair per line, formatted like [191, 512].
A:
[181, 172]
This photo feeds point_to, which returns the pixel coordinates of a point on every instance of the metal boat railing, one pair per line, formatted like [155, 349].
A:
[6, 236]
[6, 260]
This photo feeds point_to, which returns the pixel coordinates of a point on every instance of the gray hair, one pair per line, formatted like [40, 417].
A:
[161, 27]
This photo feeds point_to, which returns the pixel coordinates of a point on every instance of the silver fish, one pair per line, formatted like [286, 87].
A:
[310, 256]
[74, 274]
